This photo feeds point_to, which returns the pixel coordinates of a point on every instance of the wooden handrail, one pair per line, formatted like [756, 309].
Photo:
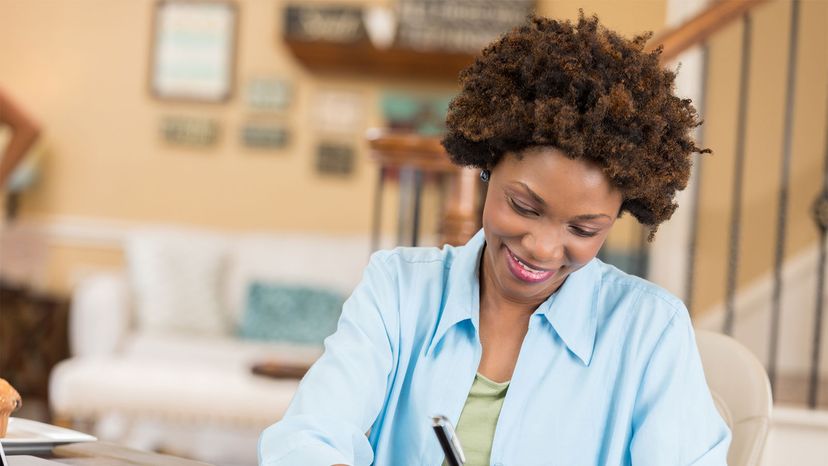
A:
[696, 30]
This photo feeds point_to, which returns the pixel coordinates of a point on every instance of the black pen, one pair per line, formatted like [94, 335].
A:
[448, 440]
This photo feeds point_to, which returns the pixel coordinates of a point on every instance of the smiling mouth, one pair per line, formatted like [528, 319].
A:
[525, 272]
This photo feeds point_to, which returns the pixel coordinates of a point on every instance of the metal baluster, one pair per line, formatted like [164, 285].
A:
[406, 175]
[736, 201]
[692, 245]
[418, 193]
[643, 252]
[377, 220]
[442, 186]
[820, 212]
[784, 175]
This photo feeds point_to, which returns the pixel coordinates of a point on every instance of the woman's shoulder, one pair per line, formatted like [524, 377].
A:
[425, 272]
[621, 291]
[413, 257]
[616, 280]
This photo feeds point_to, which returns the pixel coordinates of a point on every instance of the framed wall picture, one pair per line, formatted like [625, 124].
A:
[193, 51]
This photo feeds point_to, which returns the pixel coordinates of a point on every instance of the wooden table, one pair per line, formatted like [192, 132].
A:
[281, 369]
[109, 454]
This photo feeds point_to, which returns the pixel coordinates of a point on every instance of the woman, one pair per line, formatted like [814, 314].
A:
[542, 353]
[24, 133]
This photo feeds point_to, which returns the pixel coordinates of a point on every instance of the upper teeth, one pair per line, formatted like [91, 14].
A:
[526, 266]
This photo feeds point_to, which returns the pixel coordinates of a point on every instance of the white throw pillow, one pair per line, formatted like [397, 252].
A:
[177, 278]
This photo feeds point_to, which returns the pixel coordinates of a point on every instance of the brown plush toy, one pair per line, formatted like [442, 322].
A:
[10, 401]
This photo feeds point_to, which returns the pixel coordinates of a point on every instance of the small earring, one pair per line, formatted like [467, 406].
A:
[485, 175]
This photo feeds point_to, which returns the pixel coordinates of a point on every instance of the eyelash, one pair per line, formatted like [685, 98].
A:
[530, 213]
[583, 233]
[522, 210]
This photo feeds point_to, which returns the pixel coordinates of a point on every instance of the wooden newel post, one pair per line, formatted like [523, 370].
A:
[460, 221]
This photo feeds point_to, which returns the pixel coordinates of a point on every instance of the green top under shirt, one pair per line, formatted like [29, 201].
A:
[476, 426]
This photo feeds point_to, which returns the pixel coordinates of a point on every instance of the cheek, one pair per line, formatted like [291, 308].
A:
[582, 252]
[500, 219]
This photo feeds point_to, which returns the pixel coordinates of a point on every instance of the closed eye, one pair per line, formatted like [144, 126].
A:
[582, 232]
[522, 210]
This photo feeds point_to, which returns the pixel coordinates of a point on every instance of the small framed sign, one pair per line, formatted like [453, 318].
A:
[338, 111]
[268, 94]
[264, 135]
[190, 131]
[193, 51]
[334, 159]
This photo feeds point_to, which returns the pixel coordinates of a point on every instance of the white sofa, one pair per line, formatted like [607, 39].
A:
[185, 385]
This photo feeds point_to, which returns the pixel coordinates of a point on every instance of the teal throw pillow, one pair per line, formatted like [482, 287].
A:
[289, 313]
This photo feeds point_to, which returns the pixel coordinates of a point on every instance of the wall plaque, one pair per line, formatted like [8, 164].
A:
[458, 25]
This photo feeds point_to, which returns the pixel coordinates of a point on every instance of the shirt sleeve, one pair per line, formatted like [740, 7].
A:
[675, 421]
[343, 392]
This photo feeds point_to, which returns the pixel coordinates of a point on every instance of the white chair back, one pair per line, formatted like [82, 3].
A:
[741, 391]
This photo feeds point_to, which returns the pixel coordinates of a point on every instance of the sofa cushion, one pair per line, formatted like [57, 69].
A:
[177, 278]
[290, 313]
[167, 391]
[310, 259]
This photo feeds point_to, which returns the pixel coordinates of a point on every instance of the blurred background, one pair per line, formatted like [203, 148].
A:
[209, 178]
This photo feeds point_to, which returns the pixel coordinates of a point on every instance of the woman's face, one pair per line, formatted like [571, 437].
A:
[545, 217]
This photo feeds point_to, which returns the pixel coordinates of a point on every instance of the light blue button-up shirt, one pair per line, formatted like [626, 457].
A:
[608, 373]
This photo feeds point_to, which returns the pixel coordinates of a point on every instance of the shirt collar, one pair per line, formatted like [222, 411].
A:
[462, 294]
[571, 310]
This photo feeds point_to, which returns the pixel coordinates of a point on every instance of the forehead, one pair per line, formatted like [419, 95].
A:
[553, 175]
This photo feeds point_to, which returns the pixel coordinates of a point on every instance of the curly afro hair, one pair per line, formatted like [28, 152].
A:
[590, 93]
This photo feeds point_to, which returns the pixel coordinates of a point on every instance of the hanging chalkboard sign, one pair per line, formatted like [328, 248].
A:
[342, 25]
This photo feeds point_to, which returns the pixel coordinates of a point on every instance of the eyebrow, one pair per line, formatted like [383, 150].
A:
[540, 201]
[590, 216]
[533, 194]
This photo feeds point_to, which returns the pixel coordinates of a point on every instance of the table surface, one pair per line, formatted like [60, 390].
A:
[281, 369]
[110, 454]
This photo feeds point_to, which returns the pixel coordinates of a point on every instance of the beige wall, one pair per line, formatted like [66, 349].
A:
[81, 68]
[764, 140]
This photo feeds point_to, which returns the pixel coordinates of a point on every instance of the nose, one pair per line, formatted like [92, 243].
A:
[546, 247]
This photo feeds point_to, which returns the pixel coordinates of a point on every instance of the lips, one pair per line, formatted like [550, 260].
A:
[525, 272]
